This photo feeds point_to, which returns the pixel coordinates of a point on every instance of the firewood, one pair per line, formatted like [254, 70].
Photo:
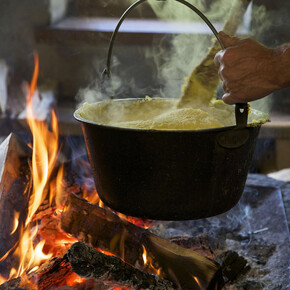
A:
[84, 261]
[11, 284]
[204, 79]
[90, 263]
[15, 189]
[105, 230]
[55, 273]
[233, 265]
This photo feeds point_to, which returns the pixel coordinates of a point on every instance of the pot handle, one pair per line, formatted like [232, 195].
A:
[241, 110]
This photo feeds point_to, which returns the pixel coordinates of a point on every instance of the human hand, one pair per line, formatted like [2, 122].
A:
[249, 70]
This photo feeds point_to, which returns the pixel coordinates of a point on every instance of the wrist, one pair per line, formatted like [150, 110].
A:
[282, 65]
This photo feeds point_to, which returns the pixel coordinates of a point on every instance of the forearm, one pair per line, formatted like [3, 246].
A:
[283, 65]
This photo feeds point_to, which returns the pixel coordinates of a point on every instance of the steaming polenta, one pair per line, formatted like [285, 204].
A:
[182, 119]
[163, 114]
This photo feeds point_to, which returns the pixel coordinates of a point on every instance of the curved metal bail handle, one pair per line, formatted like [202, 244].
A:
[241, 118]
[107, 70]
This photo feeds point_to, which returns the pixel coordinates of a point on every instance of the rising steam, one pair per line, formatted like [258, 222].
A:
[171, 66]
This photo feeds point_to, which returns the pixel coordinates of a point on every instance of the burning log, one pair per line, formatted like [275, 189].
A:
[90, 263]
[105, 230]
[11, 284]
[204, 78]
[15, 189]
[97, 268]
[54, 273]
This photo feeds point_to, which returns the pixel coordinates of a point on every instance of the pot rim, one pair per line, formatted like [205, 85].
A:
[218, 129]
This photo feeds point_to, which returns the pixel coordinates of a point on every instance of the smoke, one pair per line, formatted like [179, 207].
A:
[108, 3]
[159, 70]
[174, 66]
[187, 50]
[101, 87]
[261, 21]
[173, 10]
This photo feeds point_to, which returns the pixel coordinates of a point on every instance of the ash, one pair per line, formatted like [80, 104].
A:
[256, 228]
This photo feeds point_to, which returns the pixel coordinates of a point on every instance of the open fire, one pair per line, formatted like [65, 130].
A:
[32, 249]
[60, 221]
[40, 234]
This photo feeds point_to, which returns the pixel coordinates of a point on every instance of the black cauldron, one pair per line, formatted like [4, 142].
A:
[170, 174]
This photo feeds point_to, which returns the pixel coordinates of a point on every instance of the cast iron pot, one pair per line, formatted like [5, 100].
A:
[170, 174]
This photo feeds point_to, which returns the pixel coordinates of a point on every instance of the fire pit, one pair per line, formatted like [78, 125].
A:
[249, 230]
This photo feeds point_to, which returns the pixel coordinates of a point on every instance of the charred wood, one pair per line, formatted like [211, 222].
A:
[90, 263]
[18, 283]
[52, 274]
[55, 273]
[233, 265]
[105, 230]
[11, 284]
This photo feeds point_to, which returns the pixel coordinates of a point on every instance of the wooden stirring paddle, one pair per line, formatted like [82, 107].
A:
[203, 80]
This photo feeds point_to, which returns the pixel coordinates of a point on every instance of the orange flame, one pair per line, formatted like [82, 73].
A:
[16, 222]
[197, 281]
[57, 189]
[32, 254]
[45, 149]
[142, 223]
[148, 262]
[105, 252]
[92, 196]
[2, 280]
[144, 256]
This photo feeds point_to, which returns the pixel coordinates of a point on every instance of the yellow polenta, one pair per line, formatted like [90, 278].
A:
[163, 114]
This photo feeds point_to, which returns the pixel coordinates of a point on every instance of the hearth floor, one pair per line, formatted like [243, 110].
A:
[256, 228]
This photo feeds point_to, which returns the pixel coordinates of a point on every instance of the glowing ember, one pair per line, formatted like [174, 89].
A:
[57, 189]
[143, 223]
[106, 252]
[73, 279]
